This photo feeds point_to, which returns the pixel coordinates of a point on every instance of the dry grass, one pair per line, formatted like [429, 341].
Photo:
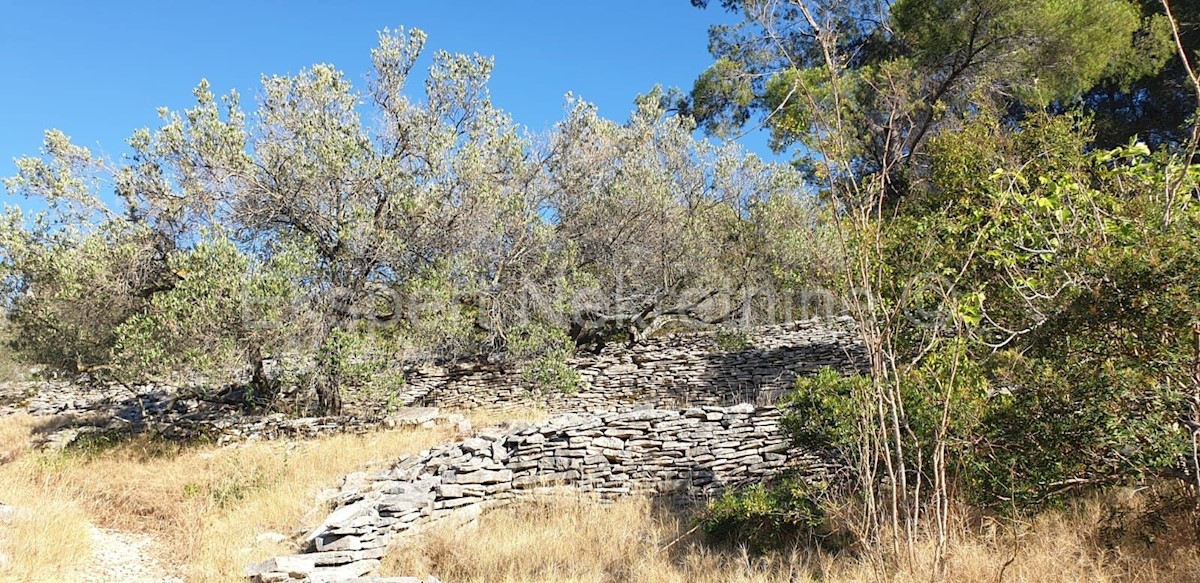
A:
[46, 540]
[44, 536]
[582, 540]
[484, 417]
[207, 506]
[577, 539]
[1121, 536]
[15, 431]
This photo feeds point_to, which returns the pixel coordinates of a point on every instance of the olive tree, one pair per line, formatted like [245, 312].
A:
[123, 295]
[664, 226]
[329, 221]
[421, 194]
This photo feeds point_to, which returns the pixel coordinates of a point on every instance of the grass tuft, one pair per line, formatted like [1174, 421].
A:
[207, 508]
[587, 541]
[206, 505]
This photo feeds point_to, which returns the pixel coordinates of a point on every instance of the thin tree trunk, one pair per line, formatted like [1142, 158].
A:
[327, 378]
[329, 393]
[263, 389]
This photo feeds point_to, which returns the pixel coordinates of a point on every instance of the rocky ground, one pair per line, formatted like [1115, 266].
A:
[77, 411]
[116, 556]
[70, 413]
[125, 557]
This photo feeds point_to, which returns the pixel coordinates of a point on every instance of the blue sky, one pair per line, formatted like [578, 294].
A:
[98, 70]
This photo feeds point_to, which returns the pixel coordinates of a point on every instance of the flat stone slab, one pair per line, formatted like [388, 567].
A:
[296, 566]
[411, 416]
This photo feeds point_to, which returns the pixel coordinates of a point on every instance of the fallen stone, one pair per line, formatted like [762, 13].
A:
[342, 572]
[342, 515]
[477, 445]
[272, 577]
[410, 417]
[272, 537]
[377, 579]
[484, 477]
[297, 566]
[345, 557]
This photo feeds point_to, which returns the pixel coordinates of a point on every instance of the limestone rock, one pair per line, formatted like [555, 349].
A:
[296, 566]
[342, 572]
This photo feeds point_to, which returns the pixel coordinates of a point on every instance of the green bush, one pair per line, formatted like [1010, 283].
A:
[825, 411]
[762, 517]
[1055, 429]
[828, 411]
[543, 351]
[733, 340]
[1020, 432]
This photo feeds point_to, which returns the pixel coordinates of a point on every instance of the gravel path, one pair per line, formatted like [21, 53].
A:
[124, 558]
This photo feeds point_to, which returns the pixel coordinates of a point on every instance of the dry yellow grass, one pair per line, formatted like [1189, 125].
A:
[46, 539]
[584, 541]
[206, 505]
[44, 534]
[488, 417]
[15, 431]
[577, 539]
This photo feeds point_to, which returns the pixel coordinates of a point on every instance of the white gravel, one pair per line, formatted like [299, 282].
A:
[124, 558]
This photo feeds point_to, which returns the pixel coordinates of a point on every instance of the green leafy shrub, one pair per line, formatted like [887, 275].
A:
[1052, 432]
[772, 516]
[945, 396]
[732, 340]
[544, 351]
[1055, 347]
[825, 411]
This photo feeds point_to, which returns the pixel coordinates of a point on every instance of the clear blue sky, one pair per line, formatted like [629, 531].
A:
[98, 70]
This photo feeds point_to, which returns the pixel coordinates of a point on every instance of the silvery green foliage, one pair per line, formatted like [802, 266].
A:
[300, 192]
[73, 272]
[327, 217]
[664, 226]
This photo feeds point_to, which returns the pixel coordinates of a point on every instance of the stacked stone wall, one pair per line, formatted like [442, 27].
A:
[675, 371]
[692, 453]
[682, 416]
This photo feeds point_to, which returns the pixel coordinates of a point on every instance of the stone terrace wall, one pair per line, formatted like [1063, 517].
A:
[696, 451]
[684, 438]
[674, 371]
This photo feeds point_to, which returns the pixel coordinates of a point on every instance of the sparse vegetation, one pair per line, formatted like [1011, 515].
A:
[733, 340]
[206, 505]
[578, 539]
[12, 366]
[1023, 267]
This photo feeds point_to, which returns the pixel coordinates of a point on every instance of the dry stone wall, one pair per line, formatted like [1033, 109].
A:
[657, 417]
[676, 371]
[690, 452]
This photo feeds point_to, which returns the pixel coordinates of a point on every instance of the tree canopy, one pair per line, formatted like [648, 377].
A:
[436, 227]
[1024, 289]
[911, 69]
[1025, 296]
